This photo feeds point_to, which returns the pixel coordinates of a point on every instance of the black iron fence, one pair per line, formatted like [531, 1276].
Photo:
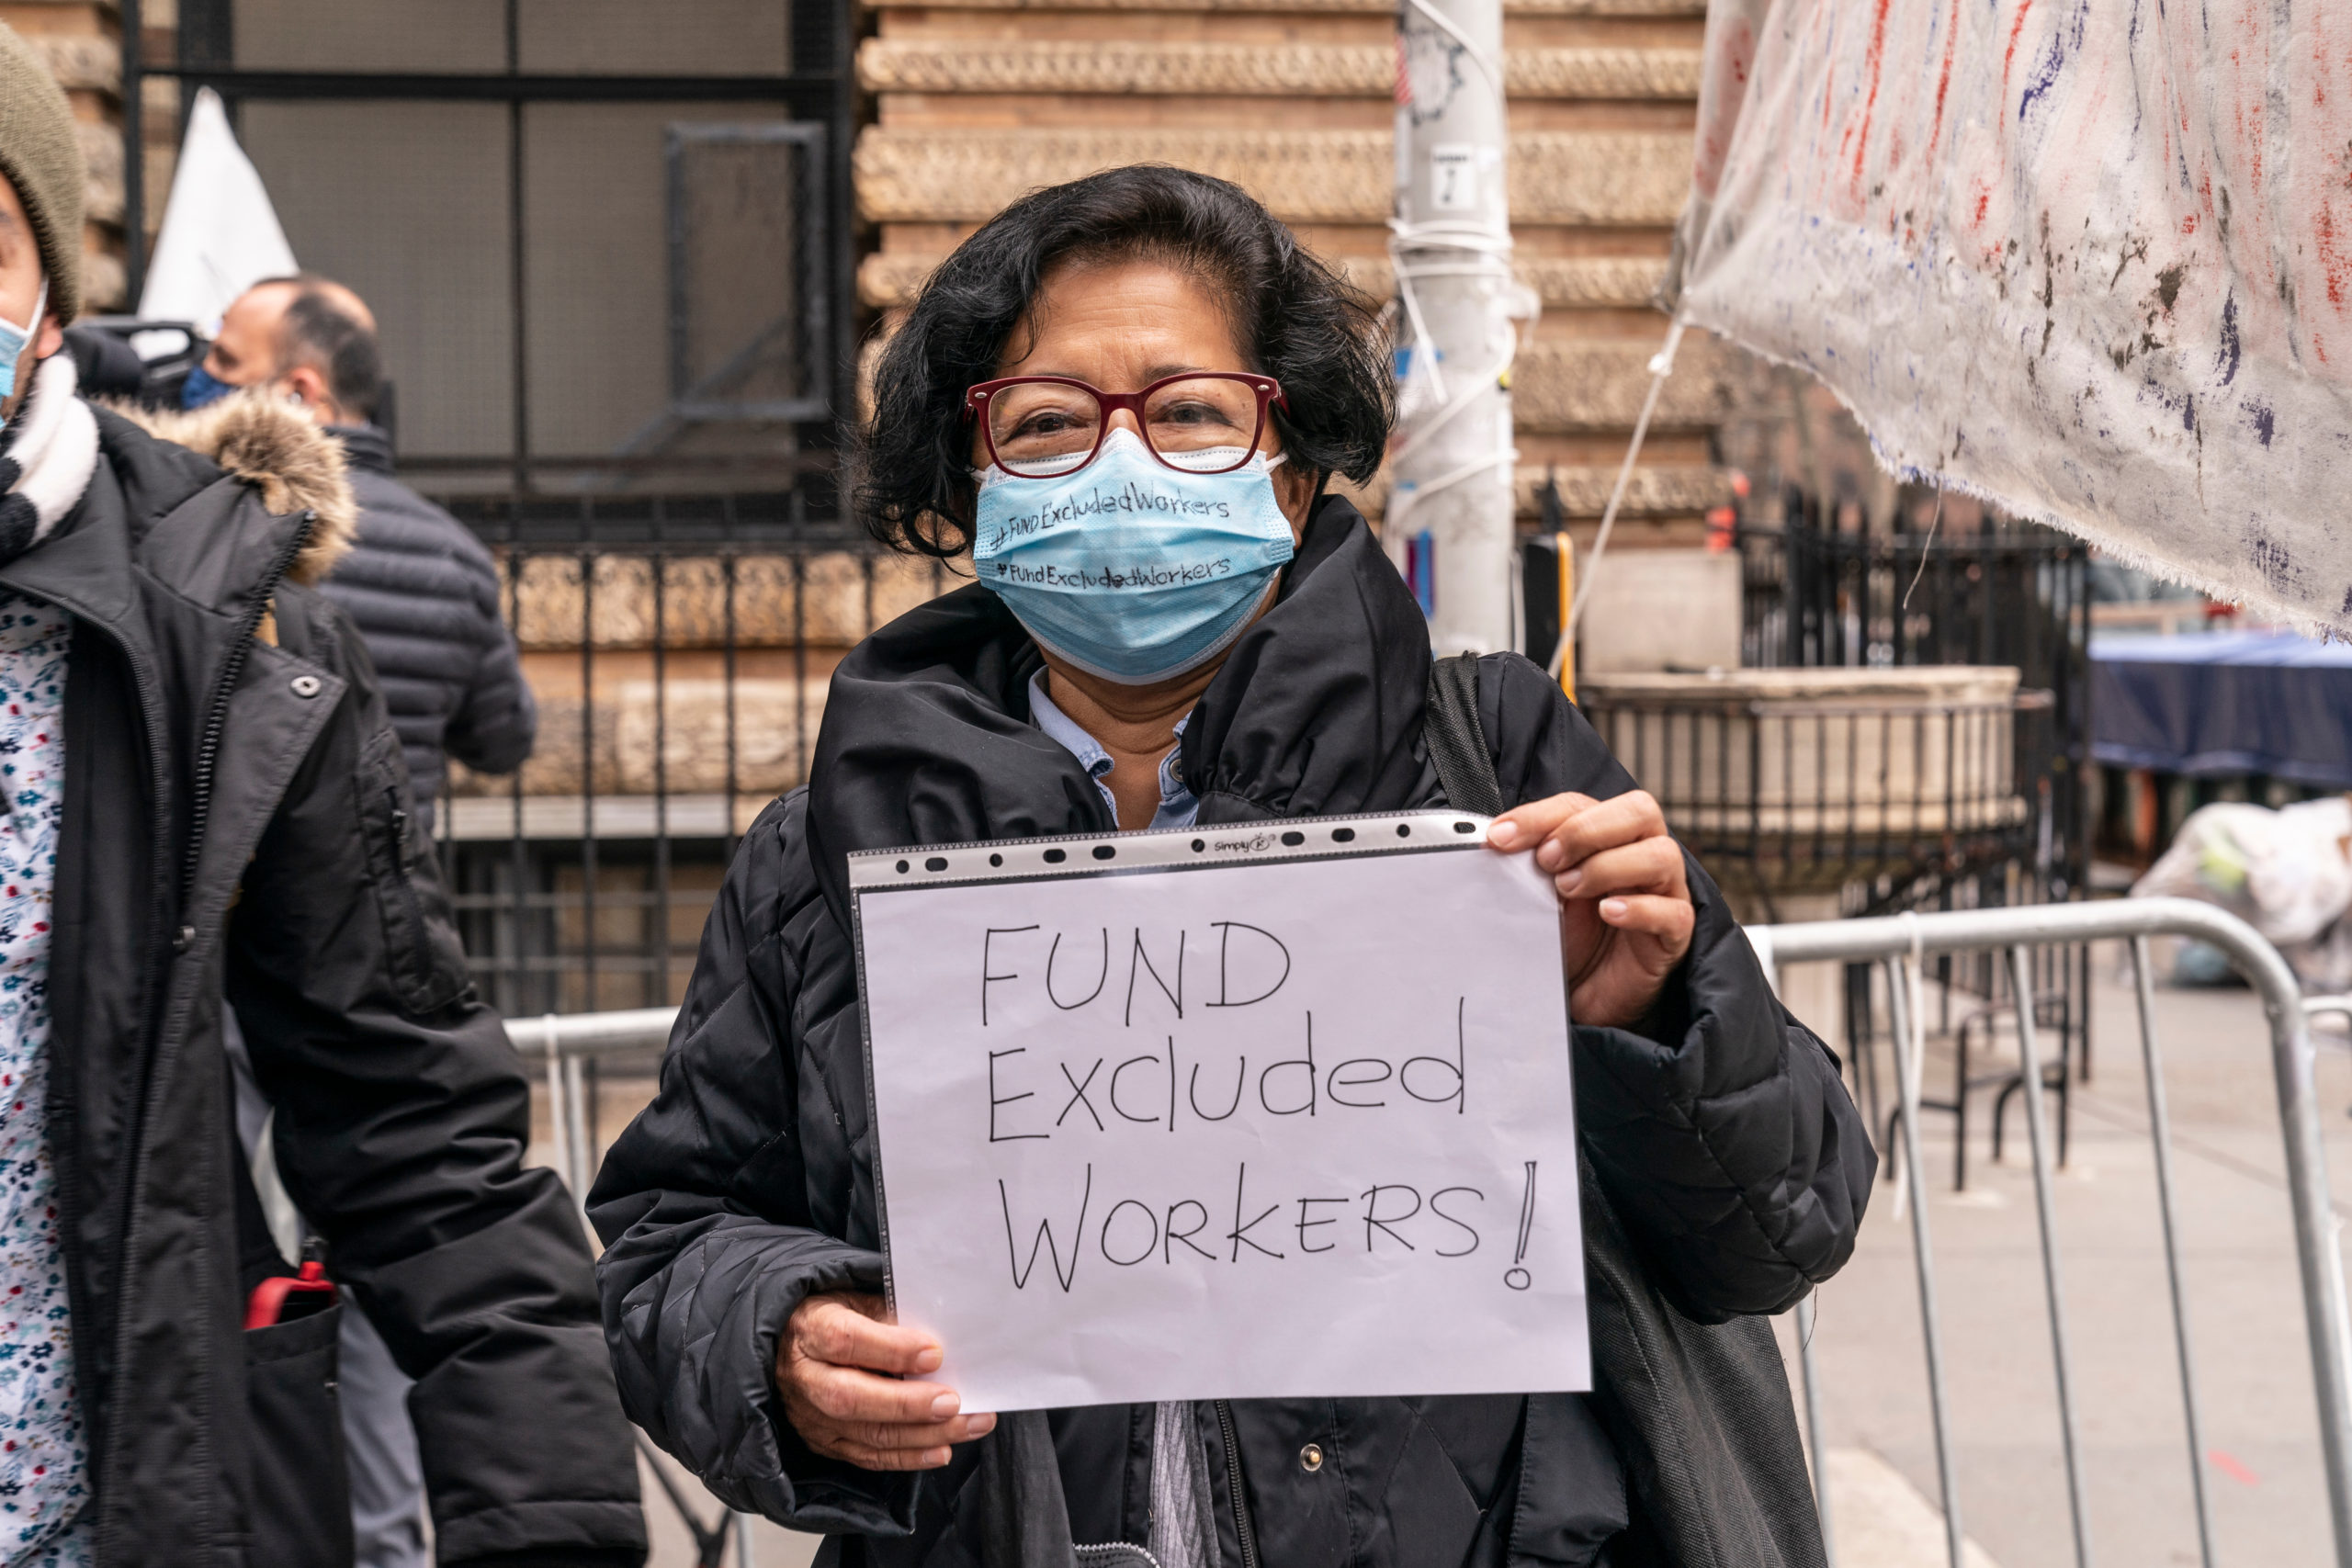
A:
[1973, 829]
[1839, 783]
[2000, 594]
[681, 648]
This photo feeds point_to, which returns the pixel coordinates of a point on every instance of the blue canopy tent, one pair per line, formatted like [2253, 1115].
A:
[2232, 702]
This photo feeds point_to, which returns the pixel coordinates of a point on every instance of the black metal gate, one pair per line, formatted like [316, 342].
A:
[609, 247]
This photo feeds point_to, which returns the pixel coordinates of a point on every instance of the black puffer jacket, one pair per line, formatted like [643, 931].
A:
[424, 593]
[1722, 1132]
[236, 825]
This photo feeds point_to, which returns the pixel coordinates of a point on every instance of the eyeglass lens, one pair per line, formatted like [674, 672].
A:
[1201, 423]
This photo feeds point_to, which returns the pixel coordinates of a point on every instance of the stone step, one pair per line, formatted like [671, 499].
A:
[775, 730]
[1667, 491]
[887, 279]
[841, 597]
[1627, 178]
[1649, 492]
[1570, 387]
[909, 65]
[1306, 7]
[80, 62]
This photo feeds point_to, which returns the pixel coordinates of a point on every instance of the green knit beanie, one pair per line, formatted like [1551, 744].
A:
[41, 156]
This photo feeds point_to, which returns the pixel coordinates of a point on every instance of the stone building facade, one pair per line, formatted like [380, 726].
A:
[976, 101]
[82, 41]
[680, 683]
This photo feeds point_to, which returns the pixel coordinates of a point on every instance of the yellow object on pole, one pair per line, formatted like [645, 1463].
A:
[1566, 549]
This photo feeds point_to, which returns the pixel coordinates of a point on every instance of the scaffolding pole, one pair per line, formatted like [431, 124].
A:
[1451, 505]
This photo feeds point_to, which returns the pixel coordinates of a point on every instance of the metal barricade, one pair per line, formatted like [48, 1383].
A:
[565, 1042]
[1899, 942]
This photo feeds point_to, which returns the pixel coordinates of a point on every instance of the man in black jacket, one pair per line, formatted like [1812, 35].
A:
[424, 593]
[419, 585]
[223, 813]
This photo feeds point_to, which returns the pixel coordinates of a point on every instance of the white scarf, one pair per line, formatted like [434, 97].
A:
[48, 453]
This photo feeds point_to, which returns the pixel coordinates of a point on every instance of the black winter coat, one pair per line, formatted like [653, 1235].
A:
[1721, 1130]
[237, 823]
[424, 591]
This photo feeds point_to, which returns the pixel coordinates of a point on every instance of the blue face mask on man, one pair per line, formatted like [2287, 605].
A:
[202, 387]
[1128, 568]
[16, 343]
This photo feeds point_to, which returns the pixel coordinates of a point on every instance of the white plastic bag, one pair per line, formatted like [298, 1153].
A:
[2287, 872]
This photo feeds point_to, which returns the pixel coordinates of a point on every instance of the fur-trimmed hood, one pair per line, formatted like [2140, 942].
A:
[295, 465]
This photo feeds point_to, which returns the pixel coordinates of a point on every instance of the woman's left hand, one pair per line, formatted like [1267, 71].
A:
[1625, 913]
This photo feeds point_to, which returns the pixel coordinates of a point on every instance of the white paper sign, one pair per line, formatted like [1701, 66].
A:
[1255, 1112]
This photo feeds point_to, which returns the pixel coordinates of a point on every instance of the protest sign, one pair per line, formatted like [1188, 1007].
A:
[1261, 1111]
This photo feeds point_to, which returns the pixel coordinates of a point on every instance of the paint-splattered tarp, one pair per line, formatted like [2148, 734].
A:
[2091, 259]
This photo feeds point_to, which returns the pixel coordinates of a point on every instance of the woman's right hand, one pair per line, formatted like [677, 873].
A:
[848, 1378]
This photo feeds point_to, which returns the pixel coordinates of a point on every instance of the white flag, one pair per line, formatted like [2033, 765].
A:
[221, 236]
[2092, 262]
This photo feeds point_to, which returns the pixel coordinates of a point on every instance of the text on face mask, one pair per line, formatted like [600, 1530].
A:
[1129, 497]
[1151, 575]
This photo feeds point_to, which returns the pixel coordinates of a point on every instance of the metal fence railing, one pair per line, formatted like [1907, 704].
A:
[1900, 944]
[568, 1046]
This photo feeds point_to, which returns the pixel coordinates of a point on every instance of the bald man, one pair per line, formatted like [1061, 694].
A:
[421, 586]
[425, 595]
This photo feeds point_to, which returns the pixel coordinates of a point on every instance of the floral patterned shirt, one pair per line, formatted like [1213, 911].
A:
[43, 1453]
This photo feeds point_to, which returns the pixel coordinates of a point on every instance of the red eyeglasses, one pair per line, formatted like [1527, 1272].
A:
[1045, 426]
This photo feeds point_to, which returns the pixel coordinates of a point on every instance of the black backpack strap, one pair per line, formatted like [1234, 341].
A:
[1456, 742]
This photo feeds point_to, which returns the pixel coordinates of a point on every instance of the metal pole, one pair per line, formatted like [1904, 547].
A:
[1760, 940]
[134, 155]
[559, 1104]
[1902, 1005]
[2160, 1131]
[582, 1169]
[2046, 1206]
[1813, 1433]
[1448, 521]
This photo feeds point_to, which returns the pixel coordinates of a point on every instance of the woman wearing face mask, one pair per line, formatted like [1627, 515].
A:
[1126, 397]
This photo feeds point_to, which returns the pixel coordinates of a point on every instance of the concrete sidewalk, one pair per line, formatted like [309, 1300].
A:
[2261, 1466]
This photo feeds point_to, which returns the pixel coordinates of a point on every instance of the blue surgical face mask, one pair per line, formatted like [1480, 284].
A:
[15, 342]
[202, 387]
[1128, 568]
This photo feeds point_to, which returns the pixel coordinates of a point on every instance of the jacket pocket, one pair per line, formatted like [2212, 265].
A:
[426, 967]
[302, 1488]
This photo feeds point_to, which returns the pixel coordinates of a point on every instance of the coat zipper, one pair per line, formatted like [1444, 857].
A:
[1243, 1530]
[216, 722]
[400, 867]
[216, 716]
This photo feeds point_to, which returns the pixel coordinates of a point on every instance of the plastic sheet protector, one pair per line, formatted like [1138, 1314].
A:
[1261, 1111]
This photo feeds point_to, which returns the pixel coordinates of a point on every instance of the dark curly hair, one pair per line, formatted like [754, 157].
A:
[1296, 319]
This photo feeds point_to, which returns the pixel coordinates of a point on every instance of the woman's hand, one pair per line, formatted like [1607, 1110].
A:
[1626, 911]
[845, 1375]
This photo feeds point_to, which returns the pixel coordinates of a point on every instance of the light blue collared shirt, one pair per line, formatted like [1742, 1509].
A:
[1181, 1534]
[1178, 805]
